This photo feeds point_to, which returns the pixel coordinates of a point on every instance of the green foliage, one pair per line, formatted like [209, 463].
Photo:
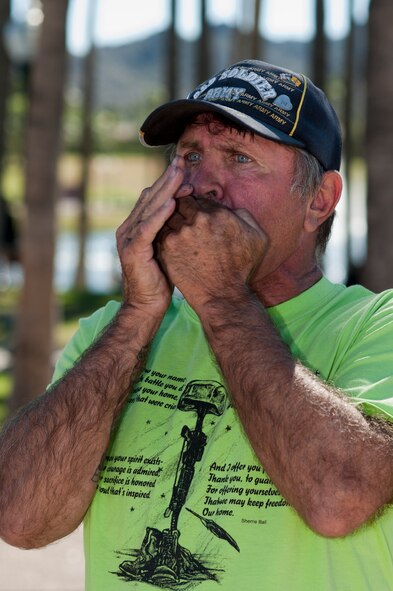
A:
[15, 123]
[76, 304]
[73, 304]
[5, 390]
[113, 130]
[13, 179]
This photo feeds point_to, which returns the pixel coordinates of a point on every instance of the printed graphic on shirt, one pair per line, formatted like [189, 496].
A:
[162, 560]
[158, 557]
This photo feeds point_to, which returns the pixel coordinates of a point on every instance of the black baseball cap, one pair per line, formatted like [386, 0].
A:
[271, 101]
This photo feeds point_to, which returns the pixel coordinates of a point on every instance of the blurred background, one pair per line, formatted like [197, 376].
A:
[77, 78]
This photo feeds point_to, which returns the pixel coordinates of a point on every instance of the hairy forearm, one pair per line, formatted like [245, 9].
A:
[322, 454]
[51, 451]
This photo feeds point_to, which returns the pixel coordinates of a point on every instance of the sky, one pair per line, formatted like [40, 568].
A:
[120, 21]
[123, 20]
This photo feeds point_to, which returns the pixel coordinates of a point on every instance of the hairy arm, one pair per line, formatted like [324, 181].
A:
[331, 463]
[334, 466]
[50, 453]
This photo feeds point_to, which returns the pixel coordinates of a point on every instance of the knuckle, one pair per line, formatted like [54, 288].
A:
[169, 240]
[144, 193]
[119, 232]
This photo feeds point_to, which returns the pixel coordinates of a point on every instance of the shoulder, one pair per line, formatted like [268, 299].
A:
[89, 329]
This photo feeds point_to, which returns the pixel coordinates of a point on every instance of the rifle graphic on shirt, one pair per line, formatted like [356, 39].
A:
[161, 560]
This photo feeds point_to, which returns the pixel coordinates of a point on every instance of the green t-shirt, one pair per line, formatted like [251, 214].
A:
[183, 503]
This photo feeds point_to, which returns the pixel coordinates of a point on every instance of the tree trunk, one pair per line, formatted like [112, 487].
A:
[33, 351]
[172, 64]
[347, 124]
[203, 63]
[255, 34]
[86, 147]
[319, 50]
[378, 270]
[4, 81]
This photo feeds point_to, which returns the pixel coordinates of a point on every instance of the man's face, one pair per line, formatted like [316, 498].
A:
[242, 171]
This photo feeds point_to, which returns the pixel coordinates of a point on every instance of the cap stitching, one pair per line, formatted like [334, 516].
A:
[249, 100]
[299, 108]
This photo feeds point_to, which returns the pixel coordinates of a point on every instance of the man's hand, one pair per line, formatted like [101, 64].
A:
[145, 286]
[208, 250]
[45, 492]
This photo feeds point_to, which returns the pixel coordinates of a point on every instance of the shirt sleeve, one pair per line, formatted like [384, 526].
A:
[89, 330]
[366, 372]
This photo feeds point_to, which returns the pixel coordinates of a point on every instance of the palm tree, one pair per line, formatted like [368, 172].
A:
[33, 350]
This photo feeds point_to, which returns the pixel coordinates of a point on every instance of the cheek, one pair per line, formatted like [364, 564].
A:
[263, 207]
[282, 222]
[275, 210]
[241, 195]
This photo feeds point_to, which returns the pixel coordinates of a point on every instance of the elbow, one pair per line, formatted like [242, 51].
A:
[17, 532]
[13, 538]
[31, 532]
[331, 526]
[332, 521]
[20, 539]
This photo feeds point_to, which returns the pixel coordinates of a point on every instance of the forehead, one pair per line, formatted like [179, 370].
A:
[215, 124]
[219, 131]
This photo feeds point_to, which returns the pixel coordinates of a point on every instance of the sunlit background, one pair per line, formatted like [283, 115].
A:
[124, 58]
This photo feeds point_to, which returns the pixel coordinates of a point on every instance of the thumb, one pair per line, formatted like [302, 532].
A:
[248, 218]
[184, 190]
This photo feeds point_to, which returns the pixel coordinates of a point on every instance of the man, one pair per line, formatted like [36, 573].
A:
[243, 423]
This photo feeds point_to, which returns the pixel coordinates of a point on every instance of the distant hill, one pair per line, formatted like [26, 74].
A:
[132, 76]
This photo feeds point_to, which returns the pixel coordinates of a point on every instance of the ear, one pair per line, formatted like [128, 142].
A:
[324, 202]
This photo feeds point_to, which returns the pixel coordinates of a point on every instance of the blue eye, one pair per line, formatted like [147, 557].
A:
[242, 158]
[192, 157]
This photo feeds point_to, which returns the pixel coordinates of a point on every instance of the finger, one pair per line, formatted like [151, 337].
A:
[248, 218]
[172, 177]
[187, 206]
[184, 191]
[124, 227]
[152, 225]
[175, 222]
[146, 231]
[163, 189]
[174, 170]
[160, 237]
[154, 197]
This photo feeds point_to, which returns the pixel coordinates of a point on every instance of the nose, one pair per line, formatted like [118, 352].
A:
[206, 182]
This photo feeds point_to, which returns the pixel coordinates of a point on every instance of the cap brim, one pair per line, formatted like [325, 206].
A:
[166, 123]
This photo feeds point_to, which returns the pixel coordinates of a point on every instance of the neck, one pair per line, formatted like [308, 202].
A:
[283, 284]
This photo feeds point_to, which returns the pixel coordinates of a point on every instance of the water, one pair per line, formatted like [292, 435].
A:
[102, 267]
